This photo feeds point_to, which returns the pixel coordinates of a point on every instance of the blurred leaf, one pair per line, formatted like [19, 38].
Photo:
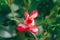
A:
[15, 7]
[10, 16]
[34, 4]
[7, 31]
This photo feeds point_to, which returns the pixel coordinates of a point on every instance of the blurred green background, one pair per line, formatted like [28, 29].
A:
[48, 19]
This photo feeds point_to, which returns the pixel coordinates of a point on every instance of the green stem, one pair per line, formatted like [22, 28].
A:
[22, 36]
[46, 20]
[12, 11]
[45, 34]
[55, 25]
[52, 12]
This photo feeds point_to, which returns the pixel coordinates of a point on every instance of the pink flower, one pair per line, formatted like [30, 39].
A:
[28, 22]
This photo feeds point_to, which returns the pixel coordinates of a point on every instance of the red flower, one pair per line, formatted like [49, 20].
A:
[28, 22]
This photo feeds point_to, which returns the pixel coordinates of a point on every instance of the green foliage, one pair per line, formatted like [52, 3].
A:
[48, 19]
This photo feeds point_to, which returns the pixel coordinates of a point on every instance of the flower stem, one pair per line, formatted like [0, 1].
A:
[52, 12]
[45, 34]
[12, 11]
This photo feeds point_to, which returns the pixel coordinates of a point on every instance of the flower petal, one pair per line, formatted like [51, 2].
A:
[33, 23]
[33, 29]
[22, 28]
[34, 14]
[26, 15]
[29, 21]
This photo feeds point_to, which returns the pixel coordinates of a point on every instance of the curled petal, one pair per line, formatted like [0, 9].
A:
[26, 15]
[33, 29]
[34, 14]
[22, 28]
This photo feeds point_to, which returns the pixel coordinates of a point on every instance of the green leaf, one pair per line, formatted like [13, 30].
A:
[7, 31]
[34, 4]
